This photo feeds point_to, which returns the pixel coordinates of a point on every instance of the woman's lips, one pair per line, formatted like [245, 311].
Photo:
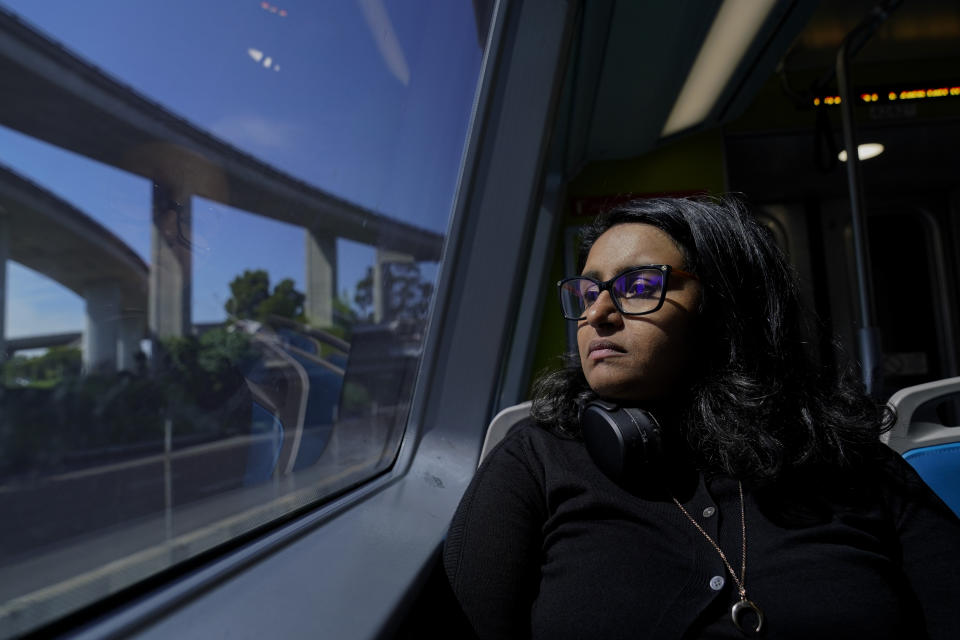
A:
[600, 349]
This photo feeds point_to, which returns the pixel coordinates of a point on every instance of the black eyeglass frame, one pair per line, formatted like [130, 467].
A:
[607, 286]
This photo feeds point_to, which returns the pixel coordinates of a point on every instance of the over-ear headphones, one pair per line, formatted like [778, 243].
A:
[623, 441]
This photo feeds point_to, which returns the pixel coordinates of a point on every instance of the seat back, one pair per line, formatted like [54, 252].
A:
[501, 425]
[927, 434]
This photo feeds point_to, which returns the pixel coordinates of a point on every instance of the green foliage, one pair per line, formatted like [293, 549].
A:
[251, 298]
[43, 429]
[43, 371]
[222, 348]
[363, 296]
[215, 351]
[406, 295]
[285, 301]
[199, 387]
[248, 291]
[205, 372]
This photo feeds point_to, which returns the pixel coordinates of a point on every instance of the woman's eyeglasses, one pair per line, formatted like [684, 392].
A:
[635, 292]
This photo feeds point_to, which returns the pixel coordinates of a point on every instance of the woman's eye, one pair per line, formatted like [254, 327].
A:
[639, 288]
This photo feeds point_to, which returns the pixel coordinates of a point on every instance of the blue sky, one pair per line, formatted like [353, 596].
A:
[366, 99]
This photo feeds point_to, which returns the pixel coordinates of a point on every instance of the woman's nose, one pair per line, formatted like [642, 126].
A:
[603, 310]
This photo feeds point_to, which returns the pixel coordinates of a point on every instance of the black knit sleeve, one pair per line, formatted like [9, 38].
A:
[492, 554]
[929, 536]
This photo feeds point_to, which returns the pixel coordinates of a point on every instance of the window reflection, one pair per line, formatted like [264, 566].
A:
[220, 256]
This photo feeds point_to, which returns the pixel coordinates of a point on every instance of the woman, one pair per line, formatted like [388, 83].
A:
[768, 507]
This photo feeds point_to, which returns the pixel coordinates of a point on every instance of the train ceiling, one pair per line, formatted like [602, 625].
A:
[630, 61]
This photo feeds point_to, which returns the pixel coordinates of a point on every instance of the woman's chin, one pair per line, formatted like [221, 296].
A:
[625, 393]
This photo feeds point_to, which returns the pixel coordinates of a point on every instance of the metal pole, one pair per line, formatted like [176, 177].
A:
[868, 336]
[168, 477]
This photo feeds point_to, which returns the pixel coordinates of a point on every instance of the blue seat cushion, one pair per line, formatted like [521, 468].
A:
[939, 466]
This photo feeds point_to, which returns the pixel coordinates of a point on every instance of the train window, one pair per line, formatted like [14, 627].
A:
[220, 227]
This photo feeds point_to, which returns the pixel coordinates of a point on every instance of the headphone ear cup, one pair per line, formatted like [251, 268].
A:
[622, 441]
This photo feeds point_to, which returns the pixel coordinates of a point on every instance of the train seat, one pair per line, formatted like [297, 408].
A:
[501, 425]
[927, 434]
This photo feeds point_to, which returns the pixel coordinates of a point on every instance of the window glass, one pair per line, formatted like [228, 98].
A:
[220, 229]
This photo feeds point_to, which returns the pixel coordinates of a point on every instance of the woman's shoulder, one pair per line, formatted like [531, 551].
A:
[529, 437]
[904, 487]
[535, 447]
[513, 477]
[884, 479]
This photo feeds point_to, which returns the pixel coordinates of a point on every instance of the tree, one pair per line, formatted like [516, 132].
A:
[407, 295]
[248, 291]
[252, 298]
[363, 297]
[285, 301]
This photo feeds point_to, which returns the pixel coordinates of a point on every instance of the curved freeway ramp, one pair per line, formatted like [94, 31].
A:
[68, 246]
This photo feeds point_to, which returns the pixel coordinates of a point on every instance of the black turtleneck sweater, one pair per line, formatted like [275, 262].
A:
[544, 545]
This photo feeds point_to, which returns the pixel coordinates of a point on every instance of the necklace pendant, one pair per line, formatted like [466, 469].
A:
[742, 607]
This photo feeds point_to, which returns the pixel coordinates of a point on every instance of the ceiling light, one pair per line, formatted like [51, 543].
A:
[865, 151]
[733, 30]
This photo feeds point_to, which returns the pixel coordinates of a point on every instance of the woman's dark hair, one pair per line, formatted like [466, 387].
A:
[759, 403]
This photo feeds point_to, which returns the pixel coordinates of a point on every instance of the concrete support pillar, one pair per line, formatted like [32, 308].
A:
[170, 266]
[321, 278]
[4, 254]
[380, 293]
[103, 327]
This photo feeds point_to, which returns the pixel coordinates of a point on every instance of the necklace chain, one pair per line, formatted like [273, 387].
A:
[744, 605]
[742, 580]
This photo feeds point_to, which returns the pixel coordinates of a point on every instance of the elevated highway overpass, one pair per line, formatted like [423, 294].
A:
[63, 100]
[58, 240]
